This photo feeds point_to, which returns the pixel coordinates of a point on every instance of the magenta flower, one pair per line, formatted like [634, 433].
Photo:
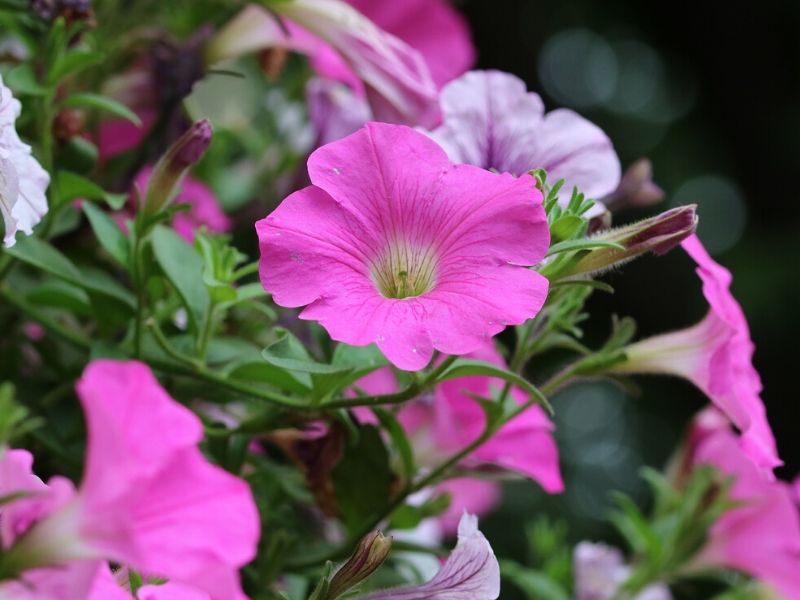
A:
[715, 355]
[450, 419]
[23, 181]
[470, 573]
[343, 45]
[393, 244]
[205, 210]
[762, 535]
[149, 501]
[492, 121]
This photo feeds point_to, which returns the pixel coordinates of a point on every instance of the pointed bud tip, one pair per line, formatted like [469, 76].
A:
[194, 143]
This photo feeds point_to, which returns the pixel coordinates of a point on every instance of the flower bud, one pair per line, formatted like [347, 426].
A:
[658, 234]
[167, 175]
[636, 188]
[372, 550]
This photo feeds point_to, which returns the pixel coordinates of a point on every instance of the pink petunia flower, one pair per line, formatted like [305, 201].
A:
[23, 181]
[492, 121]
[205, 210]
[395, 245]
[149, 501]
[715, 355]
[450, 419]
[343, 45]
[600, 571]
[762, 535]
[470, 573]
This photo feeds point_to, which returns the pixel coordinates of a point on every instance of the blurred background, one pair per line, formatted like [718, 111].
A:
[710, 92]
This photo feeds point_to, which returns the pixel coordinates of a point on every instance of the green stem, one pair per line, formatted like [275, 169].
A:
[140, 294]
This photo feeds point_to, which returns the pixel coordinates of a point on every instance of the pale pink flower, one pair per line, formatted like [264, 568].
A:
[715, 355]
[470, 573]
[492, 121]
[343, 45]
[600, 571]
[149, 501]
[23, 181]
[762, 535]
[205, 209]
[432, 27]
[395, 245]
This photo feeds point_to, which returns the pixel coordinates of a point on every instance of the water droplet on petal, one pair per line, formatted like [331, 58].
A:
[414, 350]
[336, 171]
[381, 338]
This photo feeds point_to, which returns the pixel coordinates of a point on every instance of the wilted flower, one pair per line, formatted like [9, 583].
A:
[600, 571]
[23, 181]
[760, 536]
[395, 245]
[492, 121]
[343, 45]
[149, 501]
[470, 573]
[715, 355]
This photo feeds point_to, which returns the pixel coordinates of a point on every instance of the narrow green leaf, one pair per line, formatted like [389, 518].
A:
[103, 103]
[582, 244]
[72, 186]
[465, 368]
[108, 234]
[23, 81]
[74, 61]
[183, 268]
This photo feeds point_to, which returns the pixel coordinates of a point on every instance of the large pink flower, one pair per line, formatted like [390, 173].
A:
[492, 121]
[715, 355]
[148, 500]
[395, 245]
[762, 535]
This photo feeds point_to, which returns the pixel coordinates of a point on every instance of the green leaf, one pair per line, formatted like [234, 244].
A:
[465, 368]
[581, 244]
[108, 234]
[362, 479]
[535, 585]
[183, 268]
[23, 81]
[566, 227]
[400, 440]
[72, 186]
[289, 353]
[103, 103]
[264, 372]
[74, 61]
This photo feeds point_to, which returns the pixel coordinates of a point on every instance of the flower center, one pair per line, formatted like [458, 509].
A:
[404, 270]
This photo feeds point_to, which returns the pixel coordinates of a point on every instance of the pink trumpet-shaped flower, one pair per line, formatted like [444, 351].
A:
[760, 536]
[395, 245]
[492, 121]
[443, 423]
[343, 45]
[471, 572]
[23, 181]
[149, 501]
[715, 355]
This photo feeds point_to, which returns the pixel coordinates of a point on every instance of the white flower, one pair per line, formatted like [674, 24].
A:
[23, 181]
